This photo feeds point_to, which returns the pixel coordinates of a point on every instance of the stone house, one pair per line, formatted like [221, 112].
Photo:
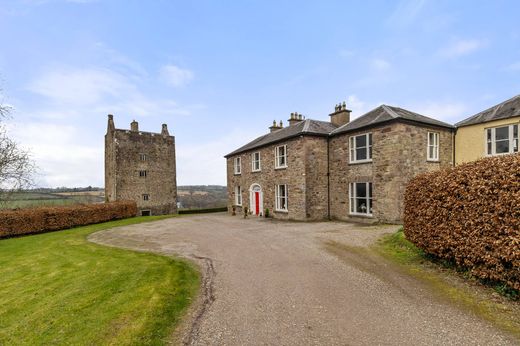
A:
[284, 171]
[140, 166]
[314, 170]
[372, 158]
[491, 132]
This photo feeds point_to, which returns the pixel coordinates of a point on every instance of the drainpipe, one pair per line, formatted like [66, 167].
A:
[453, 146]
[328, 178]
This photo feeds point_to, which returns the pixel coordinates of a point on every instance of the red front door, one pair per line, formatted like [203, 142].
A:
[257, 203]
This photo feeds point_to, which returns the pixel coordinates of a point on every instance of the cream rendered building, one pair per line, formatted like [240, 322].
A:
[489, 133]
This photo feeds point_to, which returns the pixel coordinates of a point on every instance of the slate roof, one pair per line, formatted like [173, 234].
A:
[386, 113]
[305, 127]
[507, 109]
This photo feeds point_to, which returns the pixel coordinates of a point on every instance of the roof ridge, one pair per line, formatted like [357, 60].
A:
[390, 111]
[494, 109]
[306, 125]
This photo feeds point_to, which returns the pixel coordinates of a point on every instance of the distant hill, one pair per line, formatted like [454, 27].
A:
[189, 196]
[201, 196]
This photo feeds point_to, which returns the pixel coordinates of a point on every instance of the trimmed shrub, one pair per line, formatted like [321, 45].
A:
[203, 211]
[469, 215]
[38, 220]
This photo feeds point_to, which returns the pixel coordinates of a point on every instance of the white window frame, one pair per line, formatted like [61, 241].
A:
[513, 141]
[277, 157]
[255, 161]
[353, 151]
[352, 198]
[143, 157]
[279, 198]
[238, 195]
[237, 165]
[435, 145]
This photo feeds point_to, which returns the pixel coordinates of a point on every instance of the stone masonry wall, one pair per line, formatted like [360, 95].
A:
[399, 153]
[122, 176]
[294, 176]
[316, 168]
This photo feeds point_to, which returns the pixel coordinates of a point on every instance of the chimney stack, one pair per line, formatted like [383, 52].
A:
[134, 126]
[295, 118]
[110, 126]
[164, 130]
[275, 127]
[341, 115]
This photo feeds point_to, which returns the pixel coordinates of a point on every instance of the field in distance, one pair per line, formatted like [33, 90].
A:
[51, 197]
[188, 197]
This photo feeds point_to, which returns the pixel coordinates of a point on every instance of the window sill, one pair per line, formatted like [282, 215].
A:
[432, 160]
[237, 173]
[282, 211]
[256, 171]
[280, 167]
[359, 162]
[368, 216]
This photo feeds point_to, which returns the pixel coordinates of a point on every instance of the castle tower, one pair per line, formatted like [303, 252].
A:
[140, 166]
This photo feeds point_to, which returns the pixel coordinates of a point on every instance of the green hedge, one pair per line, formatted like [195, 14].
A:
[45, 219]
[202, 211]
[469, 215]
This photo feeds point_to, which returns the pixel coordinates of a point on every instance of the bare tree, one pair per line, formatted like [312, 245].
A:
[16, 166]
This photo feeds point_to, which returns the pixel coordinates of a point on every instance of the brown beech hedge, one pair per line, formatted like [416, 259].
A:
[469, 214]
[38, 220]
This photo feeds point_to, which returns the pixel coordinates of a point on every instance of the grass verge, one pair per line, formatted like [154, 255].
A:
[58, 288]
[447, 282]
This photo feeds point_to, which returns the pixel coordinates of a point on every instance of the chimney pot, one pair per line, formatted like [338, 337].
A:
[134, 126]
[341, 115]
[164, 130]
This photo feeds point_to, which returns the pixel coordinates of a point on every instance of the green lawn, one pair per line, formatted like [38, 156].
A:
[57, 288]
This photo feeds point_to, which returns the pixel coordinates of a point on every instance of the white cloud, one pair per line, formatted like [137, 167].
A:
[346, 53]
[73, 91]
[62, 159]
[514, 66]
[406, 12]
[449, 112]
[80, 86]
[379, 64]
[203, 162]
[462, 47]
[176, 76]
[64, 131]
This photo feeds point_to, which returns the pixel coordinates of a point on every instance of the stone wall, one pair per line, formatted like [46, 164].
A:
[123, 162]
[316, 180]
[399, 153]
[299, 176]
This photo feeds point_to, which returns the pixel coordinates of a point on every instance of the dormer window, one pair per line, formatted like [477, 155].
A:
[280, 157]
[238, 165]
[361, 148]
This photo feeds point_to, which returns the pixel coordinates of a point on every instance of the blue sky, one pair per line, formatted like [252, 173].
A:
[219, 72]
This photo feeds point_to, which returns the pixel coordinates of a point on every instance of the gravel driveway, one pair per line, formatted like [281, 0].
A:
[290, 283]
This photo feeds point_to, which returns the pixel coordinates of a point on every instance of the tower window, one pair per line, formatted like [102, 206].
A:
[146, 197]
[143, 157]
[143, 174]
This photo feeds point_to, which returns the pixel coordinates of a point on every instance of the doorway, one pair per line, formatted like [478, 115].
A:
[256, 199]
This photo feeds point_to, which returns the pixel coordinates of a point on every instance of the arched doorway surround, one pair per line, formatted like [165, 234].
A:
[256, 199]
